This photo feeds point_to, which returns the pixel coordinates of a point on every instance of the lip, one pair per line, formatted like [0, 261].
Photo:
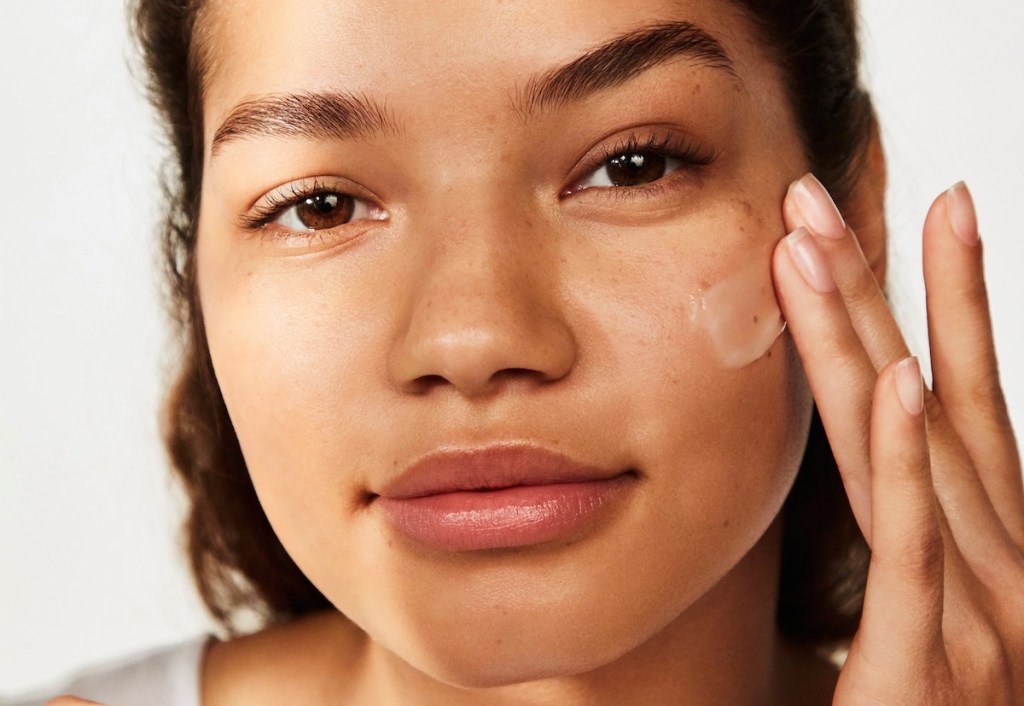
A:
[504, 496]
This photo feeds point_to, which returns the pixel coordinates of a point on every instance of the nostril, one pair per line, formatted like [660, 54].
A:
[517, 373]
[425, 383]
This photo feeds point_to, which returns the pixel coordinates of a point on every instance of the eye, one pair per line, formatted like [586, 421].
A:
[322, 210]
[631, 169]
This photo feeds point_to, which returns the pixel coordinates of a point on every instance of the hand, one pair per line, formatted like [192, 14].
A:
[933, 477]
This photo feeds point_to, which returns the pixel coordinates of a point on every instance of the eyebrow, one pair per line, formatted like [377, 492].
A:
[341, 115]
[619, 60]
[324, 115]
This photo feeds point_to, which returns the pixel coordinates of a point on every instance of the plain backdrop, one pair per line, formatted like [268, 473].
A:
[89, 560]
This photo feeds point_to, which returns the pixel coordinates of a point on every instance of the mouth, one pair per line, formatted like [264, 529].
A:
[499, 497]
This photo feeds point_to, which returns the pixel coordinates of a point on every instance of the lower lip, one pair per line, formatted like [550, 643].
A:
[498, 519]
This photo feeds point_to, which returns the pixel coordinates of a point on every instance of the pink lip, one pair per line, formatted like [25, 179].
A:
[498, 497]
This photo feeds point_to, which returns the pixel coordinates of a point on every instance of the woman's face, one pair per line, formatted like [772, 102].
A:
[514, 246]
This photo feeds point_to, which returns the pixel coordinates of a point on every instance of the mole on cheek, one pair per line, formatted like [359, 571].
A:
[740, 314]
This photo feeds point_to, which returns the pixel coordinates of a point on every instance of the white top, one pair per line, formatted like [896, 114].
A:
[168, 676]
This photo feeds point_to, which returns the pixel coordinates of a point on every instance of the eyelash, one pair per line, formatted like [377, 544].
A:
[276, 203]
[689, 154]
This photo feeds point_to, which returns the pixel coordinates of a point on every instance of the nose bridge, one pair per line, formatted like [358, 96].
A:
[482, 247]
[485, 303]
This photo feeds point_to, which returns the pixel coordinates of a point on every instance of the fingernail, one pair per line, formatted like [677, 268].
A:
[910, 386]
[818, 208]
[809, 261]
[962, 217]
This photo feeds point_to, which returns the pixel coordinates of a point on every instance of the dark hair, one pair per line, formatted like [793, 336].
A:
[237, 561]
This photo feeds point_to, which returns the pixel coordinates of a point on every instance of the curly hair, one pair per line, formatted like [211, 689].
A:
[237, 561]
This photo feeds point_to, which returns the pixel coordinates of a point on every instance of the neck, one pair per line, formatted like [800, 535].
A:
[722, 649]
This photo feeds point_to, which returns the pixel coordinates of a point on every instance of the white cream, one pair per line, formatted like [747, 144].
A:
[740, 315]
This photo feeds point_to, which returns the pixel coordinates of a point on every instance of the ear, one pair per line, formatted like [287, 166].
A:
[864, 209]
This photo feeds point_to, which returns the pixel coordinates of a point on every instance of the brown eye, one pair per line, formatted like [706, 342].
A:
[631, 169]
[319, 212]
[637, 168]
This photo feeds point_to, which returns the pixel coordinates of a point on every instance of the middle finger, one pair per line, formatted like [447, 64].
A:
[809, 205]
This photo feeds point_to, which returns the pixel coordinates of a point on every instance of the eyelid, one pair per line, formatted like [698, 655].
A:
[275, 202]
[658, 139]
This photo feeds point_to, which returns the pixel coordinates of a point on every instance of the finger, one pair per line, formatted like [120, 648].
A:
[838, 369]
[963, 353]
[68, 701]
[904, 599]
[978, 532]
[808, 204]
[972, 516]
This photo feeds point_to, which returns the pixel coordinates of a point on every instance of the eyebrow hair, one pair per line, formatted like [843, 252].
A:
[620, 60]
[316, 115]
[341, 115]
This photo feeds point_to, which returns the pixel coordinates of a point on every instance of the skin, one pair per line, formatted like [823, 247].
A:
[487, 305]
[530, 310]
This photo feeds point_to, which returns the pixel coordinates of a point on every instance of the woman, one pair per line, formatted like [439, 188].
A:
[490, 298]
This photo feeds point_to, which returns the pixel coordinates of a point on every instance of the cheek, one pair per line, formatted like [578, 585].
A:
[289, 343]
[710, 394]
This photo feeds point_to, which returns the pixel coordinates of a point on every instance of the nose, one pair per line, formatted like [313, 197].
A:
[484, 308]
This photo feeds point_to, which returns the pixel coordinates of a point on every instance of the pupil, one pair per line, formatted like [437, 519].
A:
[636, 168]
[324, 203]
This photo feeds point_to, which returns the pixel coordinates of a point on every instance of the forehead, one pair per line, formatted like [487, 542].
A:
[477, 54]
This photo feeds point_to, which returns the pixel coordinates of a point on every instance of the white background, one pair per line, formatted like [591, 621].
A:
[89, 565]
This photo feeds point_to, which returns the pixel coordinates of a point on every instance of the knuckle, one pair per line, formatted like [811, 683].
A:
[842, 344]
[981, 660]
[920, 562]
[972, 292]
[863, 290]
[983, 394]
[974, 389]
[923, 556]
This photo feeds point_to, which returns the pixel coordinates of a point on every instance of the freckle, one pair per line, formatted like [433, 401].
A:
[704, 284]
[756, 319]
[727, 522]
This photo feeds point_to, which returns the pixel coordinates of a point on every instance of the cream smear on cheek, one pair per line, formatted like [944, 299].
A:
[740, 314]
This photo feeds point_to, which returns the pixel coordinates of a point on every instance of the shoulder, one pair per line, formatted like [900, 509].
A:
[303, 654]
[167, 676]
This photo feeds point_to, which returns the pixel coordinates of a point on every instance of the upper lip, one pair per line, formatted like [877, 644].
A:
[490, 468]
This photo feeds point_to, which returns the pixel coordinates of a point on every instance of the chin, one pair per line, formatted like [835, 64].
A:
[521, 654]
[497, 626]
